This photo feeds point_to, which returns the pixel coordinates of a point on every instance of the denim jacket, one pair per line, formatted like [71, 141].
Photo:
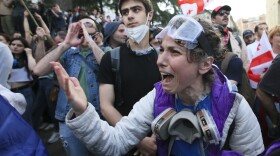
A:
[71, 60]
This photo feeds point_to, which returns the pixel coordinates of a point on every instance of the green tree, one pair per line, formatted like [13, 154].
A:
[164, 10]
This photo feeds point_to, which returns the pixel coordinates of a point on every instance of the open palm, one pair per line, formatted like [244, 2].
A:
[72, 34]
[71, 86]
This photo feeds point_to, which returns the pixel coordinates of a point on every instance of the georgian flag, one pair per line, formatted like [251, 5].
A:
[261, 61]
[192, 7]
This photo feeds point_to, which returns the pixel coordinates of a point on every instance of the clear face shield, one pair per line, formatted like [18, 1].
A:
[188, 31]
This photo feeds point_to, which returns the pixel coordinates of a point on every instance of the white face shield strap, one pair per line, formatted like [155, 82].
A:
[188, 30]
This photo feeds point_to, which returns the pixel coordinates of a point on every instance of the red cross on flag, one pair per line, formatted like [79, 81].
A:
[192, 7]
[261, 61]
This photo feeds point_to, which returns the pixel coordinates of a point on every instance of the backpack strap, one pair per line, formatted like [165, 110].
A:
[238, 39]
[226, 60]
[115, 61]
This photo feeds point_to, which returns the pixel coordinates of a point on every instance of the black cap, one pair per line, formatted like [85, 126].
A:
[217, 9]
[247, 33]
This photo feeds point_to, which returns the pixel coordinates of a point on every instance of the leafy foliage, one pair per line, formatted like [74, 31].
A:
[163, 9]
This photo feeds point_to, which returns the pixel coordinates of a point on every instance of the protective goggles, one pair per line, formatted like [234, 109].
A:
[186, 30]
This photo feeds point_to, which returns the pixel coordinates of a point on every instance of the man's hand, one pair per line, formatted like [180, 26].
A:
[72, 34]
[86, 35]
[40, 32]
[38, 17]
[26, 14]
[147, 147]
[71, 86]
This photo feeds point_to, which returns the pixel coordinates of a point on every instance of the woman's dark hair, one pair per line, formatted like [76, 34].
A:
[6, 36]
[213, 39]
[197, 54]
[22, 40]
[21, 60]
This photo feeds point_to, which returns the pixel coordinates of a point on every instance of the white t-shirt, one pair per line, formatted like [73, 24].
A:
[251, 50]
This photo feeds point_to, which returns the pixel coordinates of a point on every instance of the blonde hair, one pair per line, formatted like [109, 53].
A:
[273, 31]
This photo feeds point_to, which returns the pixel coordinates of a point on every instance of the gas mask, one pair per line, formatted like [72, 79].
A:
[186, 125]
[138, 33]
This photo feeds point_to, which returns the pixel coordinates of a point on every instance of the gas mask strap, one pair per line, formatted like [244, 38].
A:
[170, 144]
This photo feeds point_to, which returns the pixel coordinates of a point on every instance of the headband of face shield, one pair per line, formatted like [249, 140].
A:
[186, 125]
[187, 30]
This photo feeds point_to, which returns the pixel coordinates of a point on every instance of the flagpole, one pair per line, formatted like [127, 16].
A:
[22, 2]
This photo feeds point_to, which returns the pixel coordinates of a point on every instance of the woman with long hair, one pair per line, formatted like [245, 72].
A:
[20, 79]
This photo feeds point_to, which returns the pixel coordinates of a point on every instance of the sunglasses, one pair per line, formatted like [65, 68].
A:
[223, 12]
[92, 35]
[88, 25]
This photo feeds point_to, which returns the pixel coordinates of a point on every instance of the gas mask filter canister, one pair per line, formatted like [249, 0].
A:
[186, 126]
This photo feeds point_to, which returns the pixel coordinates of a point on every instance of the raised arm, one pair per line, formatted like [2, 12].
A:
[54, 13]
[27, 31]
[40, 50]
[30, 59]
[43, 67]
[45, 27]
[97, 52]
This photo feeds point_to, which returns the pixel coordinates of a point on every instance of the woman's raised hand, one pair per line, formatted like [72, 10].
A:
[71, 86]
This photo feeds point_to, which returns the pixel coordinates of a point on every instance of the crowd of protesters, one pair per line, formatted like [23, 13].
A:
[101, 84]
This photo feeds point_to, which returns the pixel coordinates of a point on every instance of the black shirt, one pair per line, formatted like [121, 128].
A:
[138, 75]
[270, 82]
[234, 69]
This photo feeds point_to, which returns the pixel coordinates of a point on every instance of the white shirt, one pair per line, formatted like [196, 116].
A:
[252, 49]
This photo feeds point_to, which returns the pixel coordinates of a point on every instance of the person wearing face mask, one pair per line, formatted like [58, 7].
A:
[138, 70]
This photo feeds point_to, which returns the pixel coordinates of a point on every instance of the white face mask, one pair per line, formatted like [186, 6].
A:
[138, 33]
